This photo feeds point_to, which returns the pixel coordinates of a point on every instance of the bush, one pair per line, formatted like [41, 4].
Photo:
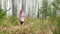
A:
[14, 20]
[58, 25]
[2, 15]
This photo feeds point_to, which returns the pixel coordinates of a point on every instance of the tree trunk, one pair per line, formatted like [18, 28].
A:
[24, 4]
[0, 4]
[14, 8]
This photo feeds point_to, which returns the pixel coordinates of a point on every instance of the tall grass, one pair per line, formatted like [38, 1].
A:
[40, 26]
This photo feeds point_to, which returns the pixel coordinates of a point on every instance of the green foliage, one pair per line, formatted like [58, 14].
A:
[55, 22]
[44, 8]
[4, 32]
[58, 24]
[14, 20]
[7, 21]
[2, 14]
[56, 8]
[50, 9]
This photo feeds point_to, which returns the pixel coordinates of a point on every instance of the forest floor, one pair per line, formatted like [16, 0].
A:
[33, 27]
[19, 26]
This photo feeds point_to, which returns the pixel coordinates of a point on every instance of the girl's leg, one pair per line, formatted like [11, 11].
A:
[21, 23]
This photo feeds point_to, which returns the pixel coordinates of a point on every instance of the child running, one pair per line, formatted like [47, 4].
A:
[22, 16]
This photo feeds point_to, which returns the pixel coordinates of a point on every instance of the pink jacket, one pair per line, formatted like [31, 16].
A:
[22, 15]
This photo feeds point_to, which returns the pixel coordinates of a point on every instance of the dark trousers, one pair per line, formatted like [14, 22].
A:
[21, 22]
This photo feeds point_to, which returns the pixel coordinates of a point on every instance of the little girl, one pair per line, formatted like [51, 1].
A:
[22, 16]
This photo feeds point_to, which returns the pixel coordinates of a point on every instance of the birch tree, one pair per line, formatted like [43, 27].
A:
[0, 4]
[14, 8]
[24, 5]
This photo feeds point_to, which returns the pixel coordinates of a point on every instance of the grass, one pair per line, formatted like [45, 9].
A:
[34, 26]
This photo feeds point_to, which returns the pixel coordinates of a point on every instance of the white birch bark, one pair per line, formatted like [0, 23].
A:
[0, 4]
[19, 5]
[14, 7]
[9, 6]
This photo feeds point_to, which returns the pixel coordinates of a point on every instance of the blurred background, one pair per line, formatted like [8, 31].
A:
[42, 16]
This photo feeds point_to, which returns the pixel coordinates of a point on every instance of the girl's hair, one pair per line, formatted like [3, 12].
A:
[20, 11]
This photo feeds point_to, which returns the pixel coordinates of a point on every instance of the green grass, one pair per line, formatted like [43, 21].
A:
[40, 26]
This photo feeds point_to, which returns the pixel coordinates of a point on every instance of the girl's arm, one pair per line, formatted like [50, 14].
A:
[24, 15]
